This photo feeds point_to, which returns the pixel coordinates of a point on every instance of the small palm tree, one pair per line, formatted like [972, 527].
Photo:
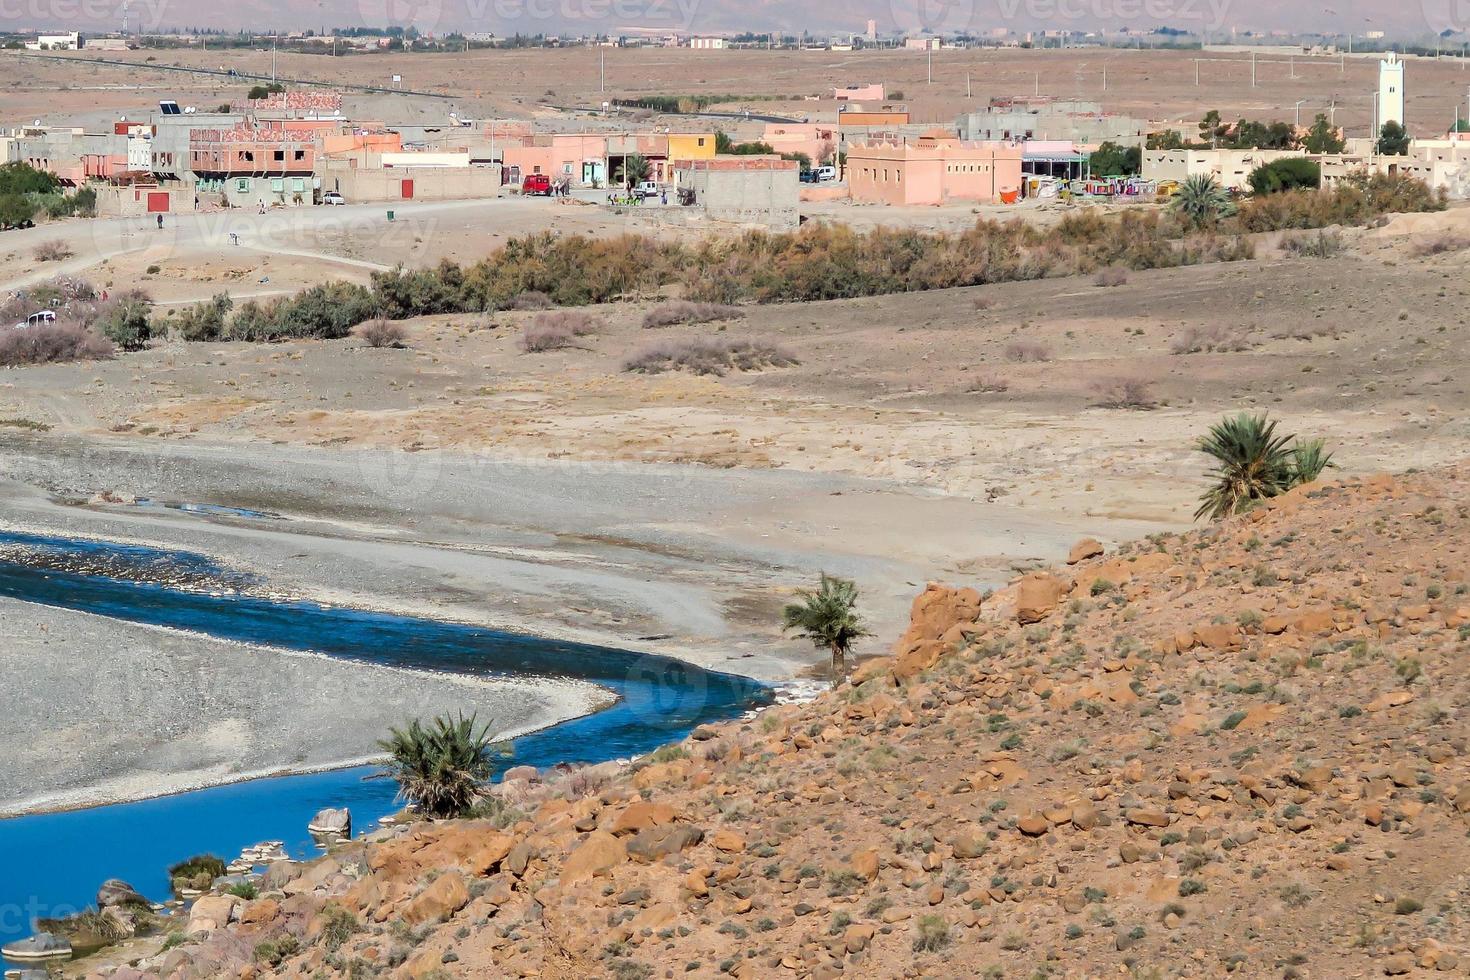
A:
[1309, 458]
[829, 619]
[440, 767]
[1251, 463]
[1202, 201]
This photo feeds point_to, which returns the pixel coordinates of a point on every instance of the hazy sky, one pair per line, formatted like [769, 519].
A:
[1411, 18]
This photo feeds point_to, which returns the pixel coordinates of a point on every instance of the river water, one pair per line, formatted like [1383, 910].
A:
[51, 864]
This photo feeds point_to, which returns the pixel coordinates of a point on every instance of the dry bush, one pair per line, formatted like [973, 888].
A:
[1439, 244]
[1306, 330]
[1027, 351]
[531, 299]
[52, 343]
[558, 329]
[1216, 338]
[982, 302]
[382, 333]
[53, 251]
[1112, 276]
[682, 311]
[1322, 245]
[1135, 393]
[709, 355]
[988, 383]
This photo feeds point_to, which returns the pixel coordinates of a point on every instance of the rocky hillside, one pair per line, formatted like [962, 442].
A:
[1238, 750]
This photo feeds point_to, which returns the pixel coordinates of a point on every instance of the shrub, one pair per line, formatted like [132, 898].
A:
[557, 330]
[242, 889]
[1202, 202]
[1323, 245]
[338, 926]
[1213, 337]
[325, 312]
[1112, 276]
[709, 356]
[125, 320]
[683, 311]
[1286, 174]
[932, 934]
[1355, 200]
[52, 343]
[1439, 244]
[989, 383]
[197, 872]
[203, 321]
[440, 767]
[1024, 351]
[382, 333]
[1132, 393]
[531, 299]
[53, 251]
[273, 952]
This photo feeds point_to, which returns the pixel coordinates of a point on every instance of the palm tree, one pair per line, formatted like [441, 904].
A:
[635, 170]
[828, 618]
[1252, 463]
[1202, 201]
[1309, 457]
[440, 767]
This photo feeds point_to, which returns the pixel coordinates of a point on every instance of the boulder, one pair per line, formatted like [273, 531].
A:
[598, 854]
[115, 891]
[657, 843]
[444, 897]
[1037, 596]
[334, 822]
[211, 912]
[938, 620]
[641, 816]
[41, 946]
[1083, 550]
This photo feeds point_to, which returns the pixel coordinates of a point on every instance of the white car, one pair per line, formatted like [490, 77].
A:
[647, 189]
[826, 173]
[37, 318]
[332, 197]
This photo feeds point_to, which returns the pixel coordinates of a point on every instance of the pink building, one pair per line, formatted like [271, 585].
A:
[582, 157]
[934, 170]
[817, 141]
[860, 93]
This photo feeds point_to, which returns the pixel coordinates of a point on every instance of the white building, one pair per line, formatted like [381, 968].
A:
[1390, 90]
[56, 42]
[707, 43]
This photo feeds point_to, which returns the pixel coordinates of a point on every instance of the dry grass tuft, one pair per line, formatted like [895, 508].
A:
[682, 311]
[382, 333]
[1027, 351]
[709, 355]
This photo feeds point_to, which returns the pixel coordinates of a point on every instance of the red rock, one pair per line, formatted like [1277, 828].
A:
[446, 895]
[1037, 596]
[1083, 550]
[598, 854]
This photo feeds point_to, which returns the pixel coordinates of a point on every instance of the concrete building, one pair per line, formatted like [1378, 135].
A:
[253, 167]
[1051, 119]
[707, 43]
[761, 190]
[1390, 90]
[1230, 168]
[71, 41]
[934, 170]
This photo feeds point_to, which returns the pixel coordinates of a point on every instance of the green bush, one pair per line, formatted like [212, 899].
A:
[1286, 174]
[126, 321]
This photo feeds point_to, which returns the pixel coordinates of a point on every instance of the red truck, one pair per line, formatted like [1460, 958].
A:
[536, 184]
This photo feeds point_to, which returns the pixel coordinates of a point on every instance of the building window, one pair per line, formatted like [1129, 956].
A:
[242, 185]
[701, 141]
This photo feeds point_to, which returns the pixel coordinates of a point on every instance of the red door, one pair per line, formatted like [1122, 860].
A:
[158, 202]
[408, 190]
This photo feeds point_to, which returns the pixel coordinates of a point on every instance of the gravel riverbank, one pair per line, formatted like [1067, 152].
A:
[99, 711]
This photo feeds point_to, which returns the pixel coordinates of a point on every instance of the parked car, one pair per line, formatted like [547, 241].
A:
[825, 173]
[332, 197]
[536, 184]
[36, 319]
[647, 189]
[809, 177]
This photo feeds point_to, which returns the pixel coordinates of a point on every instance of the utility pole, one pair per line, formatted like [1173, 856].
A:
[930, 52]
[1196, 73]
[1299, 113]
[602, 70]
[967, 86]
[1253, 68]
[1105, 78]
[1038, 83]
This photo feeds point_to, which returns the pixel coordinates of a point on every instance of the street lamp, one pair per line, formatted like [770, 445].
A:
[1299, 103]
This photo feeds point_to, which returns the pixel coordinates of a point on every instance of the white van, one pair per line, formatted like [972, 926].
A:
[37, 318]
[826, 173]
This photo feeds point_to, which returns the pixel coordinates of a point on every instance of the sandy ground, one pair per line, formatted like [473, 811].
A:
[129, 711]
[1154, 84]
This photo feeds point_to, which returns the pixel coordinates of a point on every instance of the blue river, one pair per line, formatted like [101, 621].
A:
[51, 864]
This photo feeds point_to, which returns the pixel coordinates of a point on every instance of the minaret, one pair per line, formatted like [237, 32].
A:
[1391, 90]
